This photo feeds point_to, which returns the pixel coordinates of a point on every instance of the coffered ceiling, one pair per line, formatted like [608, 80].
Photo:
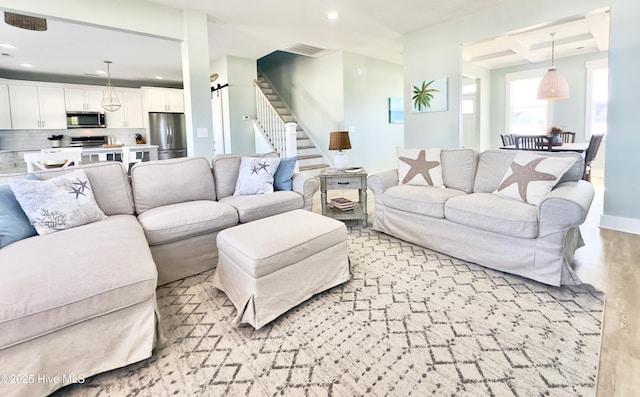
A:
[254, 28]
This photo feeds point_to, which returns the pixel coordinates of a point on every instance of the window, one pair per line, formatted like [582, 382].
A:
[597, 97]
[525, 115]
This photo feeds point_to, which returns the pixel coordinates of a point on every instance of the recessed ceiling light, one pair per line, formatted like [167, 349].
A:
[101, 72]
[7, 45]
[26, 65]
[332, 15]
[159, 77]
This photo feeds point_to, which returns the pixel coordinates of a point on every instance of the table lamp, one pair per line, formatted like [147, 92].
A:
[339, 140]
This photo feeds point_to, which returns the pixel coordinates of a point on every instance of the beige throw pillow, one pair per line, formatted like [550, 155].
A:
[420, 167]
[531, 177]
[256, 175]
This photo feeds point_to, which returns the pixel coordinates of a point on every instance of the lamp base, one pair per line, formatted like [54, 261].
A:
[340, 161]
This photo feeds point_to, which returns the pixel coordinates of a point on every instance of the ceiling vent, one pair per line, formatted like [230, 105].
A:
[304, 49]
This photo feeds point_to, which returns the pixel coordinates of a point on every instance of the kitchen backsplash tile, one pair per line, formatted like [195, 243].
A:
[37, 139]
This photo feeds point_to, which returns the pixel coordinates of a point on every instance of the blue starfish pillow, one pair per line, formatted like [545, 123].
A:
[58, 203]
[531, 177]
[256, 175]
[420, 167]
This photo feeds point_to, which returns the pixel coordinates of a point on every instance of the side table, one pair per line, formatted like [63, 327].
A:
[331, 179]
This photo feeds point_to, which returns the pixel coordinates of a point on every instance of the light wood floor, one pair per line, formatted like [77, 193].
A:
[610, 261]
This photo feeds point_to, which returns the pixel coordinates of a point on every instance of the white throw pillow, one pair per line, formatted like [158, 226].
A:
[530, 177]
[58, 203]
[420, 167]
[256, 175]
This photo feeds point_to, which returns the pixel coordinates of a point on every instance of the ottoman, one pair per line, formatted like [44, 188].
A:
[270, 265]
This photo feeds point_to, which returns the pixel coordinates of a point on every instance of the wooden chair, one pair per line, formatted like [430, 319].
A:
[507, 139]
[590, 155]
[532, 142]
[49, 159]
[568, 137]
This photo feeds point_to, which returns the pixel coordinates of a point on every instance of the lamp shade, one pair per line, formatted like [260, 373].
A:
[25, 21]
[553, 86]
[339, 140]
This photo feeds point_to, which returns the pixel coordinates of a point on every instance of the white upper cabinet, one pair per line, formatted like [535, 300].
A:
[164, 100]
[37, 107]
[5, 113]
[130, 114]
[83, 99]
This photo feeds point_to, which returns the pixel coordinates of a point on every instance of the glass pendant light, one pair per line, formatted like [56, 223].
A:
[553, 85]
[110, 101]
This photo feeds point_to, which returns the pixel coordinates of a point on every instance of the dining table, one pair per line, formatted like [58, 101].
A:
[578, 147]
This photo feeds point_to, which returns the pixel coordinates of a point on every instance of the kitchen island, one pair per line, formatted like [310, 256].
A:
[12, 161]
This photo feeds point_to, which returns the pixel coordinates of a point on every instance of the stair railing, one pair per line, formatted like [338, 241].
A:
[277, 131]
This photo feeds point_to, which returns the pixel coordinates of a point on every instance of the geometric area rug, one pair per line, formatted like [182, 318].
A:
[411, 321]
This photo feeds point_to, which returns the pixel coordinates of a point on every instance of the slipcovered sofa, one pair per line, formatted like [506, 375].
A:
[81, 301]
[466, 220]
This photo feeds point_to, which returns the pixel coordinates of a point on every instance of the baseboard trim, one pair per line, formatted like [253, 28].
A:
[620, 224]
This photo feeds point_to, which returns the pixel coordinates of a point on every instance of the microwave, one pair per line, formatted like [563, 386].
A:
[85, 120]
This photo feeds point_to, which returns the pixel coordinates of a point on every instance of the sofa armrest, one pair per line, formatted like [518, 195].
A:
[382, 181]
[565, 206]
[307, 185]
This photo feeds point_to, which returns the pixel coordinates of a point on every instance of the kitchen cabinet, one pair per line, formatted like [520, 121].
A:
[37, 107]
[130, 114]
[83, 99]
[164, 100]
[5, 113]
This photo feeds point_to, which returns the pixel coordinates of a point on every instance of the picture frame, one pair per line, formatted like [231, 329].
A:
[429, 95]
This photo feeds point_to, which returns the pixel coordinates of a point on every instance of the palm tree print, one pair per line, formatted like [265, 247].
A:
[423, 95]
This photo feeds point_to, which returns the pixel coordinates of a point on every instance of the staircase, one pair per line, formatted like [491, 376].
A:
[310, 158]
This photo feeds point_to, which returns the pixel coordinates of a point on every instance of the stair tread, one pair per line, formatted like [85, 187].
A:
[313, 167]
[306, 147]
[309, 156]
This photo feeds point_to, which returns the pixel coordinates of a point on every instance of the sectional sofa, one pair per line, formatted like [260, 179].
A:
[81, 301]
[466, 219]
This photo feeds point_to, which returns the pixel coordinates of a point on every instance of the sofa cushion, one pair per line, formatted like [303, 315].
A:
[64, 278]
[459, 168]
[225, 172]
[420, 167]
[109, 182]
[486, 211]
[255, 175]
[163, 182]
[179, 221]
[255, 207]
[421, 200]
[59, 203]
[493, 164]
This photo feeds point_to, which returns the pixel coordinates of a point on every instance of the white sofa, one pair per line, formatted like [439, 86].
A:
[81, 301]
[465, 220]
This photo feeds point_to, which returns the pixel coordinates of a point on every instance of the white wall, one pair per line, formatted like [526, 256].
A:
[338, 91]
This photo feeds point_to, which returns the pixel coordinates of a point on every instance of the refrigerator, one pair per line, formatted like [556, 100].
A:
[168, 131]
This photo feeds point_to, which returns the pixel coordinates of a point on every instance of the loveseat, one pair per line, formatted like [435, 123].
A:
[466, 219]
[81, 301]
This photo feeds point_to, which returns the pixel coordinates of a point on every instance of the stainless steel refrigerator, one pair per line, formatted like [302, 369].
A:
[168, 131]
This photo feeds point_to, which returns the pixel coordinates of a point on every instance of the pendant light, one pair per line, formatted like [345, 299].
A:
[110, 101]
[25, 21]
[553, 85]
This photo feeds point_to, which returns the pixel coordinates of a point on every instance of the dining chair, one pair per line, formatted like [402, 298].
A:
[532, 142]
[131, 156]
[507, 139]
[568, 137]
[590, 155]
[53, 159]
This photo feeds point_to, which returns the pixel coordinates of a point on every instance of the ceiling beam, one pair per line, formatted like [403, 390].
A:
[599, 27]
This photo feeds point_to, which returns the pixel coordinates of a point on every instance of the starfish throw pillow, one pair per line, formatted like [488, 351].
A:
[420, 167]
[256, 175]
[58, 203]
[530, 177]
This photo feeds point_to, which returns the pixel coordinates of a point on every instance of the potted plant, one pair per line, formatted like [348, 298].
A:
[555, 132]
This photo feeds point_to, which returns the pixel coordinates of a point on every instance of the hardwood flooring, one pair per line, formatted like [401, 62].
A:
[610, 262]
